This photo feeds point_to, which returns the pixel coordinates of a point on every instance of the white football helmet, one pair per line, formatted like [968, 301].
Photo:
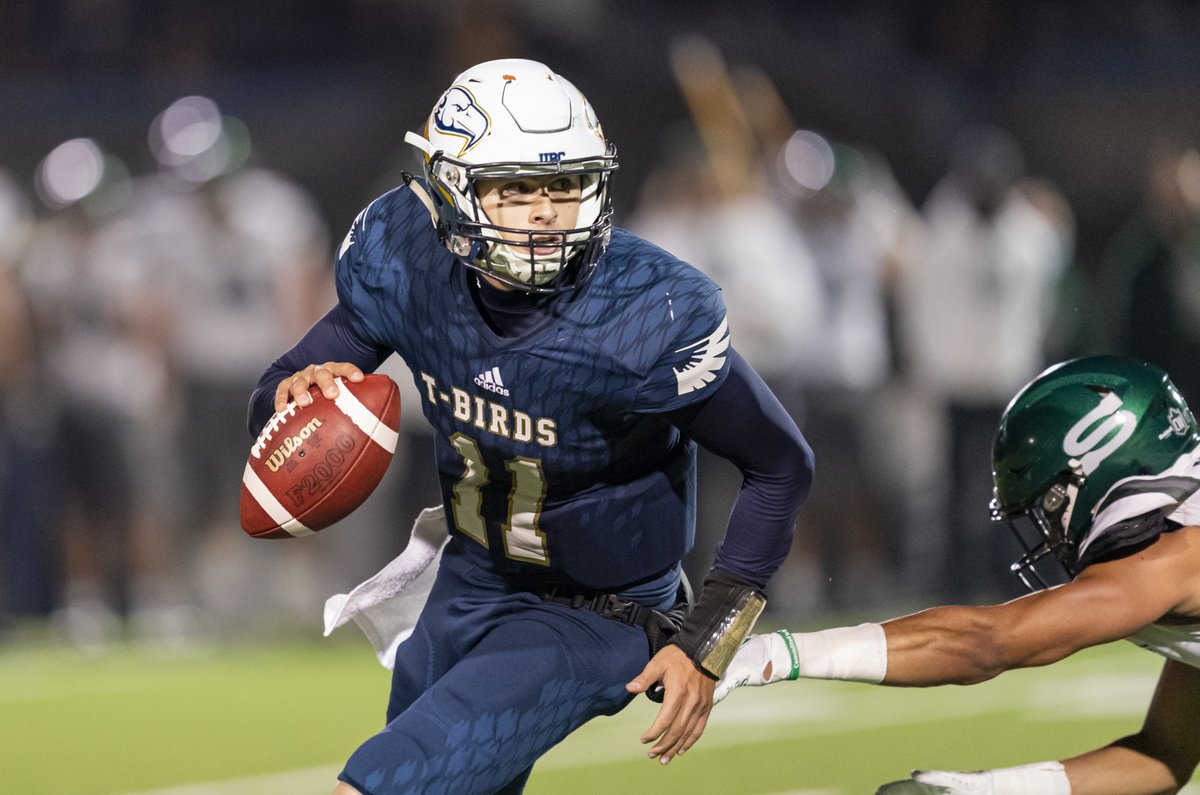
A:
[517, 118]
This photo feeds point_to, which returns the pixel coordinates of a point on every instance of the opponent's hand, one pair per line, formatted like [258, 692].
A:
[941, 782]
[686, 703]
[761, 660]
[296, 387]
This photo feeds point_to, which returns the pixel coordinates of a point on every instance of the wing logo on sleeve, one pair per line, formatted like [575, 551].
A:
[707, 359]
[347, 242]
[352, 235]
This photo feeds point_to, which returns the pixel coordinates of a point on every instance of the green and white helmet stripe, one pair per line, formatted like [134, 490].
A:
[1137, 496]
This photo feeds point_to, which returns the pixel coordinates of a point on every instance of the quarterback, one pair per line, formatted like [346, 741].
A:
[1100, 455]
[569, 369]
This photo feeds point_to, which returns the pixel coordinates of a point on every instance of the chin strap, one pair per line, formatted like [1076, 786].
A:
[720, 621]
[420, 193]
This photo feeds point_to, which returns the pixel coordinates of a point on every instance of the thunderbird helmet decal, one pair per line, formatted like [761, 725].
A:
[458, 114]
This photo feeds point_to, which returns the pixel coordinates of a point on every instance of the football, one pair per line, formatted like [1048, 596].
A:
[312, 465]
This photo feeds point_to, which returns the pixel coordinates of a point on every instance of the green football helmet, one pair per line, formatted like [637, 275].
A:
[1069, 436]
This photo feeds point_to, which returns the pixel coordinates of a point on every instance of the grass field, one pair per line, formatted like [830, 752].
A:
[278, 719]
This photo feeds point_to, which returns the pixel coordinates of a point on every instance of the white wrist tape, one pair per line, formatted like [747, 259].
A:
[1044, 778]
[852, 654]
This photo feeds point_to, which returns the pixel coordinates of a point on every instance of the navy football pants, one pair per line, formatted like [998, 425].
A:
[488, 682]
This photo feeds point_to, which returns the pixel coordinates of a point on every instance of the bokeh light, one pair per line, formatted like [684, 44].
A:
[71, 171]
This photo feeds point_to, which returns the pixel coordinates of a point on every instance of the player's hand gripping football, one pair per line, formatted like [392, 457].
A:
[296, 387]
[687, 701]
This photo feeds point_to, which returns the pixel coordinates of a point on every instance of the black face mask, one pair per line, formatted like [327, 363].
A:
[1046, 557]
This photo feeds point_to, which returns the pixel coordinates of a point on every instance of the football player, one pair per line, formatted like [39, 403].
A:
[568, 369]
[1100, 456]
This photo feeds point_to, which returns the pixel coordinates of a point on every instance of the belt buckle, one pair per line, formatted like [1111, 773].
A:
[617, 608]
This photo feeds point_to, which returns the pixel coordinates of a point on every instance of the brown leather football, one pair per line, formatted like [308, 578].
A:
[313, 465]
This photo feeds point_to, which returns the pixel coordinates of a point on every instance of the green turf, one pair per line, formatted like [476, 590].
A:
[126, 721]
[129, 722]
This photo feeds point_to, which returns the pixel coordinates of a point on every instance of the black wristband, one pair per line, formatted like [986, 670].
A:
[720, 621]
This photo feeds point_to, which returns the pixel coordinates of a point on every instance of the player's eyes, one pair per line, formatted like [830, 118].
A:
[563, 185]
[513, 189]
[523, 188]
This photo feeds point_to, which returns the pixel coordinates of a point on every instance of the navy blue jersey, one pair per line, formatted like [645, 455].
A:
[554, 459]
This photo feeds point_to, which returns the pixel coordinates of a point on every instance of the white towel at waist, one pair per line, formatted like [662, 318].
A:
[386, 606]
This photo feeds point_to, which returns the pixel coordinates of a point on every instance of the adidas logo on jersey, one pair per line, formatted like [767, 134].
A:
[491, 381]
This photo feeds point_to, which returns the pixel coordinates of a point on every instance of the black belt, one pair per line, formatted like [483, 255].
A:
[659, 627]
[609, 605]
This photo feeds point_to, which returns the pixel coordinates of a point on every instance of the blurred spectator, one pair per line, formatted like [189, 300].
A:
[854, 219]
[245, 253]
[745, 241]
[101, 322]
[976, 311]
[27, 545]
[1151, 270]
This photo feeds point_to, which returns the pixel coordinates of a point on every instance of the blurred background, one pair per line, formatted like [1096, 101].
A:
[912, 207]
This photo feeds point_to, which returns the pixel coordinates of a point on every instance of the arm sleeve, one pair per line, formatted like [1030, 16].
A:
[333, 338]
[744, 422]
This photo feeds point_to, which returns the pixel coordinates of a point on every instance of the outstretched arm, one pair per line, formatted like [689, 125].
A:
[1106, 602]
[966, 645]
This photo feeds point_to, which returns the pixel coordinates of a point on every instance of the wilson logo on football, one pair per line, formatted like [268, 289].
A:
[290, 445]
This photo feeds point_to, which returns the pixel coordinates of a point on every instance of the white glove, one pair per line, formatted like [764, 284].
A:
[1042, 778]
[761, 660]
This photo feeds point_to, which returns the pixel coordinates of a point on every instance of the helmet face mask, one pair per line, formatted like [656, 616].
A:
[1076, 440]
[517, 119]
[509, 253]
[1048, 517]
